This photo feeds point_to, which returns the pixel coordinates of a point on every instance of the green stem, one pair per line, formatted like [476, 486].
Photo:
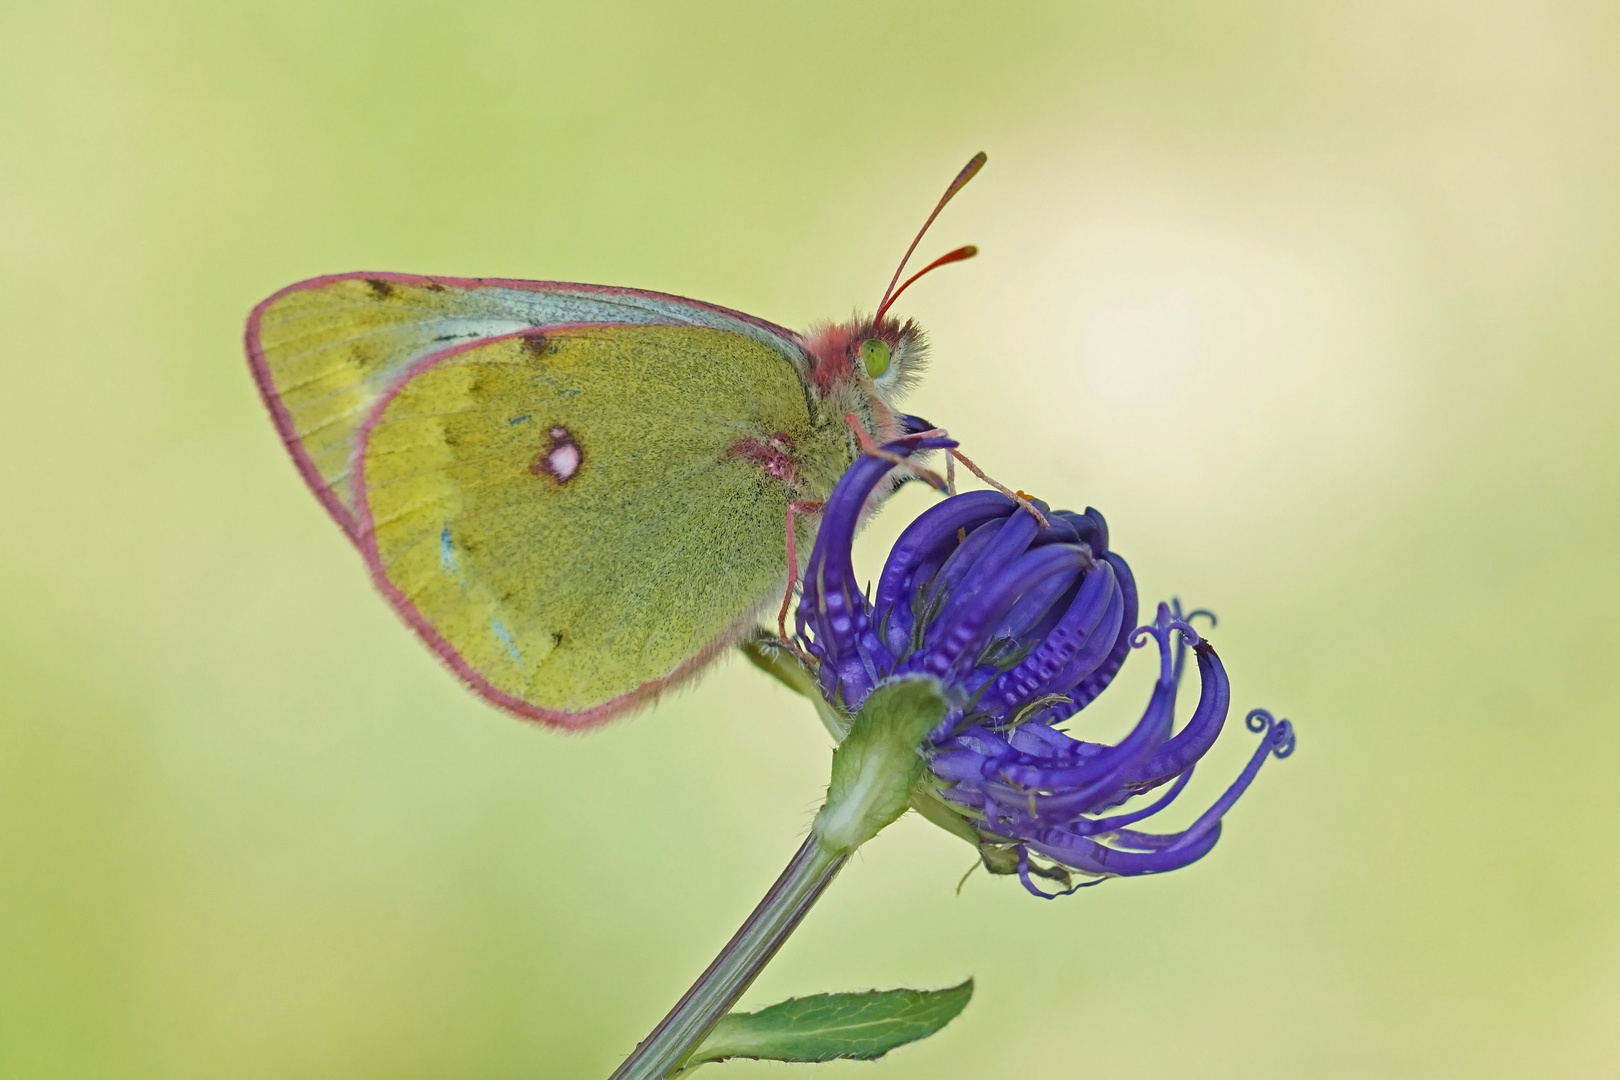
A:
[875, 770]
[739, 963]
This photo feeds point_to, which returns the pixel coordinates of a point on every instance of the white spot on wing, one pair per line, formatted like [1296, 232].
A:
[564, 461]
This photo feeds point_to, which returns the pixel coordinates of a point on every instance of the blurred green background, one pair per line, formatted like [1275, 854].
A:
[1315, 301]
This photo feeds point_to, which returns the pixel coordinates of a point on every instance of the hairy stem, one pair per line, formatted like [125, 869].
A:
[739, 963]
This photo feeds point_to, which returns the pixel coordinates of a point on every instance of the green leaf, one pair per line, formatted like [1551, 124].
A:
[859, 1026]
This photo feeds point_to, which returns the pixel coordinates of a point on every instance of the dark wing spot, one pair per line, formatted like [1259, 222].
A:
[381, 289]
[537, 344]
[556, 639]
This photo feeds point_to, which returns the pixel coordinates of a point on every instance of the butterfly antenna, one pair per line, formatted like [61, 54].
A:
[969, 171]
[966, 252]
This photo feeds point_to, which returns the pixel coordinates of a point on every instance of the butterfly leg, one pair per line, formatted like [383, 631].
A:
[793, 511]
[950, 460]
[872, 449]
[1016, 496]
[952, 456]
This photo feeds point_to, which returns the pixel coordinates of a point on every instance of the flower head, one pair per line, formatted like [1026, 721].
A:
[1023, 625]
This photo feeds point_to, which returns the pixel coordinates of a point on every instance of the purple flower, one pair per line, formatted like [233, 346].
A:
[1023, 626]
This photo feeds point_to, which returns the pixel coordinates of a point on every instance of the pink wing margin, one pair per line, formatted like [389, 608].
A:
[359, 527]
[788, 341]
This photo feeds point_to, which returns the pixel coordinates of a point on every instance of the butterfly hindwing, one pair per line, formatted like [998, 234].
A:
[324, 351]
[571, 517]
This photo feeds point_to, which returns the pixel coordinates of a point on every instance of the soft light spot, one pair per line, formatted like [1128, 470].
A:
[1210, 346]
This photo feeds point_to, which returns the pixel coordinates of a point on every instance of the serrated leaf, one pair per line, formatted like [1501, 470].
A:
[858, 1026]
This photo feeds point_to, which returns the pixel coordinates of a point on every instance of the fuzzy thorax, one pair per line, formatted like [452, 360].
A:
[840, 381]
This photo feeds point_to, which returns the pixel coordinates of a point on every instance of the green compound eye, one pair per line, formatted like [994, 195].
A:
[875, 355]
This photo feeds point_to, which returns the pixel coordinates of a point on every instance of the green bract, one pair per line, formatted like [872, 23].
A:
[877, 766]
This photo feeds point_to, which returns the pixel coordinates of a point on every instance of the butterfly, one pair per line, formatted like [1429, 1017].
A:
[577, 496]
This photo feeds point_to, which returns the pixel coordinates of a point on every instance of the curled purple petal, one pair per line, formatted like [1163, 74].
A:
[960, 634]
[1194, 741]
[1036, 890]
[1074, 648]
[1098, 681]
[920, 552]
[1090, 857]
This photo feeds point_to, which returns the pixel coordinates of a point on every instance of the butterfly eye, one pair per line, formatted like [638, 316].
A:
[875, 355]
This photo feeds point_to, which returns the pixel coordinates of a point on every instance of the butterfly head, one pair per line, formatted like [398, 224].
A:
[867, 366]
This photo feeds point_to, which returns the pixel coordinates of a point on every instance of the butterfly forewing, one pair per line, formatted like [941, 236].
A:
[326, 350]
[565, 516]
